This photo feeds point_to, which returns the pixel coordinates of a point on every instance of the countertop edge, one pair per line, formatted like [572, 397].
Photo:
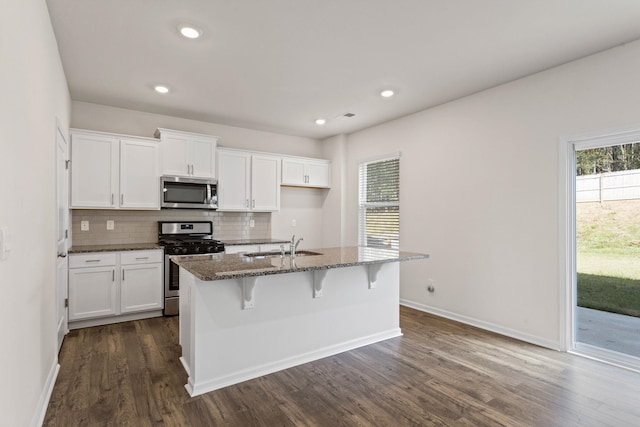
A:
[80, 249]
[267, 271]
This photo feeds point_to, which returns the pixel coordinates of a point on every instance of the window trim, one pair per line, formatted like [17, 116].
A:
[361, 206]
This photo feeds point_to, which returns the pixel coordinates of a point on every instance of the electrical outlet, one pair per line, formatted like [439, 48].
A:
[111, 224]
[84, 225]
[252, 223]
[430, 287]
[293, 222]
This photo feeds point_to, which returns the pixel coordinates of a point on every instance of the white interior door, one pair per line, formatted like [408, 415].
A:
[62, 227]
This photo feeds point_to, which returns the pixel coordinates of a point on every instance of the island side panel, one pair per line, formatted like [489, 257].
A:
[287, 326]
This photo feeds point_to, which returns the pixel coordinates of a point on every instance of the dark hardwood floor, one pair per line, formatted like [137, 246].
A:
[439, 373]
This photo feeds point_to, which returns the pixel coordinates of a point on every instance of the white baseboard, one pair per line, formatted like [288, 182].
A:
[553, 345]
[47, 390]
[99, 321]
[269, 368]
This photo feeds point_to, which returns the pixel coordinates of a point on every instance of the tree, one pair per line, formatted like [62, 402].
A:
[608, 159]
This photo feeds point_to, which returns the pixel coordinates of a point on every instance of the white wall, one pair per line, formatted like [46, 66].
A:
[303, 205]
[34, 93]
[334, 215]
[479, 189]
[130, 122]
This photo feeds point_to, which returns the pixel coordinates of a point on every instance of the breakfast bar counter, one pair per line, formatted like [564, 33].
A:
[242, 316]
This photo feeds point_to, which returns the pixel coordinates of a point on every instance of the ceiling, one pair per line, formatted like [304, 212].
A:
[278, 65]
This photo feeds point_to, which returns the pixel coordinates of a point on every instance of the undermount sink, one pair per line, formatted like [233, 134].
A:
[276, 254]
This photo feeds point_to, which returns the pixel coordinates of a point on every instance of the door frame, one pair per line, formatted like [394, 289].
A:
[567, 239]
[62, 290]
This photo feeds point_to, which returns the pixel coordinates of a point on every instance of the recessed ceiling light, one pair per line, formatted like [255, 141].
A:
[387, 93]
[161, 89]
[320, 121]
[189, 32]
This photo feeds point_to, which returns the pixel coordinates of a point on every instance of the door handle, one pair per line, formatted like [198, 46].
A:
[62, 255]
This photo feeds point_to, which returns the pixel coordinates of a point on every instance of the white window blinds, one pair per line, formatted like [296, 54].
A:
[379, 202]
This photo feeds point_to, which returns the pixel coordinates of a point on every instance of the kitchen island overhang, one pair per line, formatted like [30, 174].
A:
[242, 317]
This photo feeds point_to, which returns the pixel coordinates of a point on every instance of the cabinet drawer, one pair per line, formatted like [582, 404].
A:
[140, 257]
[93, 259]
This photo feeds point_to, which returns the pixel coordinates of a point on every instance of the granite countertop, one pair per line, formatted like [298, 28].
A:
[222, 266]
[113, 248]
[266, 241]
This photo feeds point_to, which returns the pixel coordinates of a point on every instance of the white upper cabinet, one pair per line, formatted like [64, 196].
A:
[265, 182]
[187, 154]
[248, 181]
[94, 170]
[306, 172]
[233, 180]
[139, 174]
[111, 171]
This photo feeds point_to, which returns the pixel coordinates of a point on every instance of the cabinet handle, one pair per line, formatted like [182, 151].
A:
[246, 203]
[92, 260]
[142, 257]
[112, 199]
[123, 275]
[253, 203]
[122, 199]
[113, 275]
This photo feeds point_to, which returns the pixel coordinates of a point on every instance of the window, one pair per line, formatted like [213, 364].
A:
[379, 203]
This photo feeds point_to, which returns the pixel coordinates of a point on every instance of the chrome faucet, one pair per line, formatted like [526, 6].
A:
[294, 245]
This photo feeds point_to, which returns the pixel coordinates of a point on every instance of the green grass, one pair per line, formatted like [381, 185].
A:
[608, 258]
[607, 293]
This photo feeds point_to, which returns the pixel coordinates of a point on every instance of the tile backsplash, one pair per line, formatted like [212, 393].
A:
[142, 226]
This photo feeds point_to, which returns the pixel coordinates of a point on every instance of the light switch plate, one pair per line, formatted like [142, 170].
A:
[252, 223]
[110, 224]
[293, 222]
[84, 225]
[5, 246]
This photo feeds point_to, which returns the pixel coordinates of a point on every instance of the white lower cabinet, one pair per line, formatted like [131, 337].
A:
[92, 292]
[105, 286]
[139, 290]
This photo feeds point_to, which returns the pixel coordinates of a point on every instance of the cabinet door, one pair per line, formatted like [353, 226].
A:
[175, 156]
[92, 292]
[293, 172]
[139, 175]
[233, 181]
[265, 183]
[203, 155]
[141, 288]
[94, 171]
[317, 174]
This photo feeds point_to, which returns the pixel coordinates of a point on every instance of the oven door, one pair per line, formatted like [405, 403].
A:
[171, 287]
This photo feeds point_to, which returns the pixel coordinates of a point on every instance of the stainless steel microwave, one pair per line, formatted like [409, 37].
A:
[188, 193]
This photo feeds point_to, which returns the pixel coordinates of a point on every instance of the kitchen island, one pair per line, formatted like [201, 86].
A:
[242, 317]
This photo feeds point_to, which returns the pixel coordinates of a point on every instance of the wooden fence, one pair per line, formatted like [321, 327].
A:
[621, 185]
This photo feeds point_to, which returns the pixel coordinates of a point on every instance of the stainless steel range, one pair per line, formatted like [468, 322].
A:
[183, 238]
